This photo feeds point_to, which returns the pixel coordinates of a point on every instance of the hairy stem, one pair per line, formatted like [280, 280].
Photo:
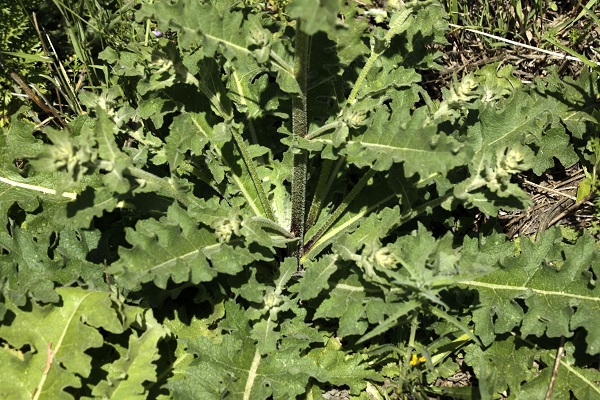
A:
[362, 76]
[300, 129]
[323, 129]
[398, 25]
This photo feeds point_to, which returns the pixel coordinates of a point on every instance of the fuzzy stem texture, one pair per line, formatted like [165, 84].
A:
[299, 130]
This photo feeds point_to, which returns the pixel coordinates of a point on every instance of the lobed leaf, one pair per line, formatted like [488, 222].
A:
[546, 289]
[416, 143]
[177, 248]
[128, 375]
[45, 345]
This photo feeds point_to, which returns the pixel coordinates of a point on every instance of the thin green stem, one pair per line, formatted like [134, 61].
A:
[322, 237]
[398, 25]
[299, 130]
[323, 129]
[313, 248]
[411, 341]
[415, 212]
[323, 187]
[320, 194]
[362, 76]
[340, 210]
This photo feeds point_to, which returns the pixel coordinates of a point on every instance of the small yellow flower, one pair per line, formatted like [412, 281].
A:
[416, 360]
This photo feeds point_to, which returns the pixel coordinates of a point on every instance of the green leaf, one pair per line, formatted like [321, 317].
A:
[369, 233]
[45, 346]
[216, 30]
[315, 279]
[108, 150]
[187, 132]
[384, 76]
[275, 302]
[571, 379]
[416, 143]
[348, 40]
[528, 369]
[338, 368]
[26, 269]
[402, 310]
[128, 375]
[553, 281]
[178, 248]
[315, 15]
[155, 108]
[528, 119]
[89, 204]
[246, 90]
[516, 367]
[234, 367]
[345, 302]
[241, 176]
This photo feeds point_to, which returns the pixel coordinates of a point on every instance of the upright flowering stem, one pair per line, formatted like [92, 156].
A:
[299, 130]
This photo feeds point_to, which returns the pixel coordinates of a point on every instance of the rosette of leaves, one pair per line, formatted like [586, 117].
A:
[270, 190]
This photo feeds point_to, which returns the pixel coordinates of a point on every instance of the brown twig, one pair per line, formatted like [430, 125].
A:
[571, 208]
[559, 354]
[47, 109]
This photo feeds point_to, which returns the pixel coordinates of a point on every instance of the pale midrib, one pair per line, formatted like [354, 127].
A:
[185, 256]
[41, 189]
[239, 183]
[252, 375]
[379, 146]
[583, 378]
[495, 286]
[107, 143]
[228, 43]
[326, 269]
[58, 345]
